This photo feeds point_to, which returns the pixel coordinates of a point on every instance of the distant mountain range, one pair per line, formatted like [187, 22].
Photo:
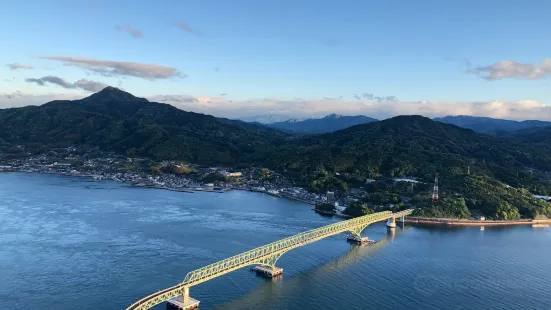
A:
[268, 119]
[329, 123]
[490, 125]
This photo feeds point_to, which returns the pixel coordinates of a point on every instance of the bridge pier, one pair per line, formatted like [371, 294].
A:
[183, 302]
[267, 271]
[391, 222]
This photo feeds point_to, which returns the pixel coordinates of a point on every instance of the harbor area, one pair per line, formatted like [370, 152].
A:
[267, 271]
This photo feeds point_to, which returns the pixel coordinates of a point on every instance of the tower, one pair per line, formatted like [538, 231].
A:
[435, 190]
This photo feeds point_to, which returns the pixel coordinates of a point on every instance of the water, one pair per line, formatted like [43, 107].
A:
[71, 243]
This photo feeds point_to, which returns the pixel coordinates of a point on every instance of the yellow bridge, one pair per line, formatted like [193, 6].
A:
[266, 255]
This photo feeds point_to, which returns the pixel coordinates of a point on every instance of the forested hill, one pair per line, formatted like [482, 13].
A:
[407, 145]
[116, 120]
[401, 146]
[539, 136]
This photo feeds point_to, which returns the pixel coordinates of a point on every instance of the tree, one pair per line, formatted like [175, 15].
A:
[357, 209]
[326, 207]
[155, 170]
[264, 174]
[214, 177]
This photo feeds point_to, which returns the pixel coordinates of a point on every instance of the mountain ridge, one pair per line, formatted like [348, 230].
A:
[490, 125]
[328, 123]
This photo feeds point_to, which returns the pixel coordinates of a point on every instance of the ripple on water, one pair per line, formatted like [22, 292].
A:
[102, 245]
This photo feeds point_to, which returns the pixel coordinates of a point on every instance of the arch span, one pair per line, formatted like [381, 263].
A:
[266, 255]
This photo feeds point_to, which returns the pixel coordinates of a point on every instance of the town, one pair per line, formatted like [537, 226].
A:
[168, 175]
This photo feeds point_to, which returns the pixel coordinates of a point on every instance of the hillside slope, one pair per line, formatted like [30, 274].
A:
[116, 120]
[406, 145]
[538, 136]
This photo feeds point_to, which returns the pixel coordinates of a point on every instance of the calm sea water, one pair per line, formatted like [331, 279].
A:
[71, 243]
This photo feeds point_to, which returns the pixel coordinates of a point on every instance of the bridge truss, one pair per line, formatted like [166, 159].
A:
[266, 255]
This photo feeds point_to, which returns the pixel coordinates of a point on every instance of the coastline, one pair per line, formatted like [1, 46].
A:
[459, 222]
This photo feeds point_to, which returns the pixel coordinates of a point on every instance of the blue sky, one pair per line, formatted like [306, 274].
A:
[447, 54]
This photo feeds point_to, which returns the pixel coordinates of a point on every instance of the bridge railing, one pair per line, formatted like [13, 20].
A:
[206, 272]
[256, 256]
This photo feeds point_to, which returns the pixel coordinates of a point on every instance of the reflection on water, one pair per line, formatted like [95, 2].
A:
[268, 292]
[67, 243]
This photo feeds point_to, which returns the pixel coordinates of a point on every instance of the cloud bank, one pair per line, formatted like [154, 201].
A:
[87, 85]
[219, 106]
[303, 108]
[112, 68]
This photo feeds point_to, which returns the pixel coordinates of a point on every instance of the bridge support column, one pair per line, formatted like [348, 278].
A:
[186, 294]
[391, 222]
[355, 236]
[183, 302]
[267, 266]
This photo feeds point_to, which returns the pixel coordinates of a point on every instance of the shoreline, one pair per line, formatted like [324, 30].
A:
[459, 222]
[408, 220]
[190, 190]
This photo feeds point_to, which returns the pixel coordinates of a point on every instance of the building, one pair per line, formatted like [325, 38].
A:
[330, 196]
[231, 174]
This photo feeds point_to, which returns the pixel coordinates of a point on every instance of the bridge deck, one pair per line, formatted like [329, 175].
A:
[265, 255]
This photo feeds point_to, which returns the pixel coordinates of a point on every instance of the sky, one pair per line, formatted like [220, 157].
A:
[298, 58]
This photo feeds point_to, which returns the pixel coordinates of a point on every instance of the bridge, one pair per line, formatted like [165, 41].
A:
[266, 255]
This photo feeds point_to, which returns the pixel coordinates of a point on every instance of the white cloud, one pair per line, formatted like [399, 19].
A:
[119, 68]
[218, 106]
[511, 69]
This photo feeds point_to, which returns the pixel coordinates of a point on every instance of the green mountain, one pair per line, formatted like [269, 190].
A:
[476, 171]
[539, 136]
[407, 145]
[116, 120]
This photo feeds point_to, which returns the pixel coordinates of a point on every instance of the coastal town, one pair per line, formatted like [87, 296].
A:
[142, 172]
[189, 178]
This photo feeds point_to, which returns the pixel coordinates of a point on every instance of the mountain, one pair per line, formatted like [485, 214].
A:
[116, 120]
[407, 145]
[474, 167]
[266, 119]
[329, 123]
[490, 125]
[538, 135]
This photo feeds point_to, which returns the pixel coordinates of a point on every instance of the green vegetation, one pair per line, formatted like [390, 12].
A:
[113, 120]
[326, 207]
[214, 177]
[117, 121]
[264, 174]
[357, 209]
